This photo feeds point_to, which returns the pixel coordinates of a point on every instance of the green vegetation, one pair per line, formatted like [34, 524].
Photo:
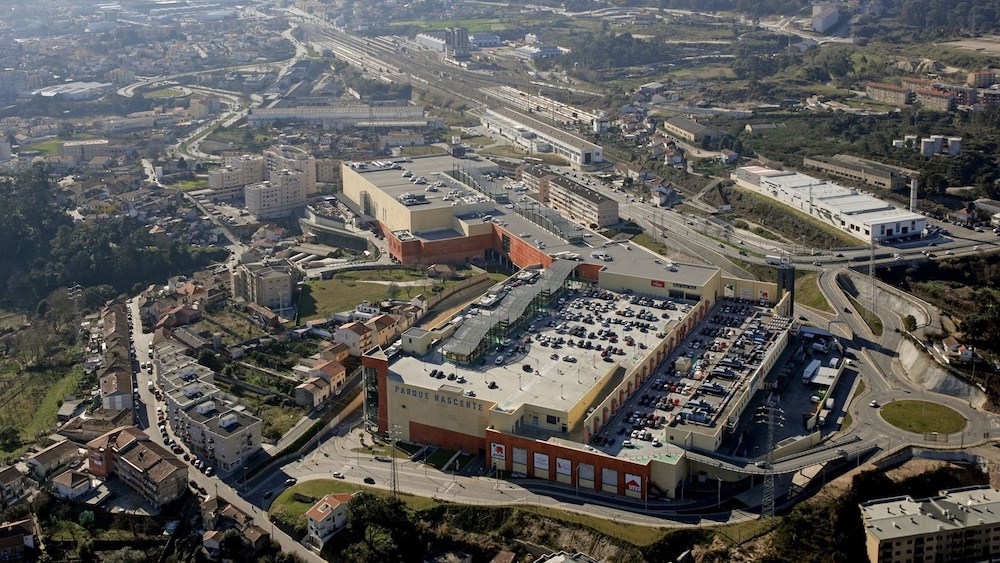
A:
[278, 414]
[45, 250]
[423, 150]
[439, 458]
[232, 326]
[51, 146]
[320, 299]
[873, 321]
[923, 417]
[807, 293]
[964, 288]
[644, 239]
[165, 93]
[791, 224]
[29, 401]
[472, 24]
[190, 185]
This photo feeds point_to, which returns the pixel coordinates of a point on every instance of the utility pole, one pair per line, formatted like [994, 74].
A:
[871, 278]
[394, 475]
[771, 415]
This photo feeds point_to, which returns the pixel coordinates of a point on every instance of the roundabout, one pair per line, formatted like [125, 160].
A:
[923, 417]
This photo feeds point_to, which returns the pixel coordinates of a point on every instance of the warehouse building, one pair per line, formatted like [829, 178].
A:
[689, 130]
[536, 136]
[867, 218]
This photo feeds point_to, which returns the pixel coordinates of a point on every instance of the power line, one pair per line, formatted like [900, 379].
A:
[771, 415]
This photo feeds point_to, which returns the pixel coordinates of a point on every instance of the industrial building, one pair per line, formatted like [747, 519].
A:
[688, 130]
[865, 217]
[553, 110]
[536, 136]
[867, 173]
[343, 116]
[957, 525]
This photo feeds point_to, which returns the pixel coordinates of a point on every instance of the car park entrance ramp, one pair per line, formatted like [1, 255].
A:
[477, 334]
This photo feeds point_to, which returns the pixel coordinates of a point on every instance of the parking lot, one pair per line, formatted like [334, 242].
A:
[589, 326]
[695, 387]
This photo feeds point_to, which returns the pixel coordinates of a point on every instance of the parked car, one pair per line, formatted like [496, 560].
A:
[291, 481]
[370, 480]
[338, 475]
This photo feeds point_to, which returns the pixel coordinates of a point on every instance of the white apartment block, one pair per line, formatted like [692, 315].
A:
[285, 157]
[280, 196]
[236, 172]
[223, 436]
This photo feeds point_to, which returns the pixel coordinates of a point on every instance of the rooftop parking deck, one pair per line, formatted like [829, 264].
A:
[703, 385]
[558, 356]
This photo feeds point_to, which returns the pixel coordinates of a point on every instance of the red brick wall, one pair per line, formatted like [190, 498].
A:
[522, 252]
[599, 461]
[447, 439]
[453, 251]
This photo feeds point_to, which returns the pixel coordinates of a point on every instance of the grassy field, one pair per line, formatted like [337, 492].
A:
[235, 328]
[643, 239]
[51, 147]
[276, 420]
[423, 150]
[807, 293]
[439, 458]
[399, 275]
[403, 450]
[31, 403]
[922, 417]
[320, 299]
[165, 93]
[190, 185]
[872, 320]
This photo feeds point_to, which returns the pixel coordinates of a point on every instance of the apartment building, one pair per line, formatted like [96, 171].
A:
[286, 157]
[86, 149]
[914, 83]
[582, 204]
[957, 525]
[269, 284]
[223, 436]
[889, 93]
[982, 78]
[280, 196]
[864, 173]
[148, 468]
[936, 100]
[236, 173]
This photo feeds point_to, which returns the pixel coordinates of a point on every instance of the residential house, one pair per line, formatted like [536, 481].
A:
[72, 484]
[312, 392]
[84, 429]
[384, 328]
[727, 156]
[356, 336]
[179, 316]
[45, 463]
[13, 487]
[17, 540]
[218, 515]
[147, 467]
[955, 351]
[327, 517]
[116, 390]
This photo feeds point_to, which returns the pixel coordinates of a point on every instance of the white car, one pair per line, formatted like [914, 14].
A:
[873, 404]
